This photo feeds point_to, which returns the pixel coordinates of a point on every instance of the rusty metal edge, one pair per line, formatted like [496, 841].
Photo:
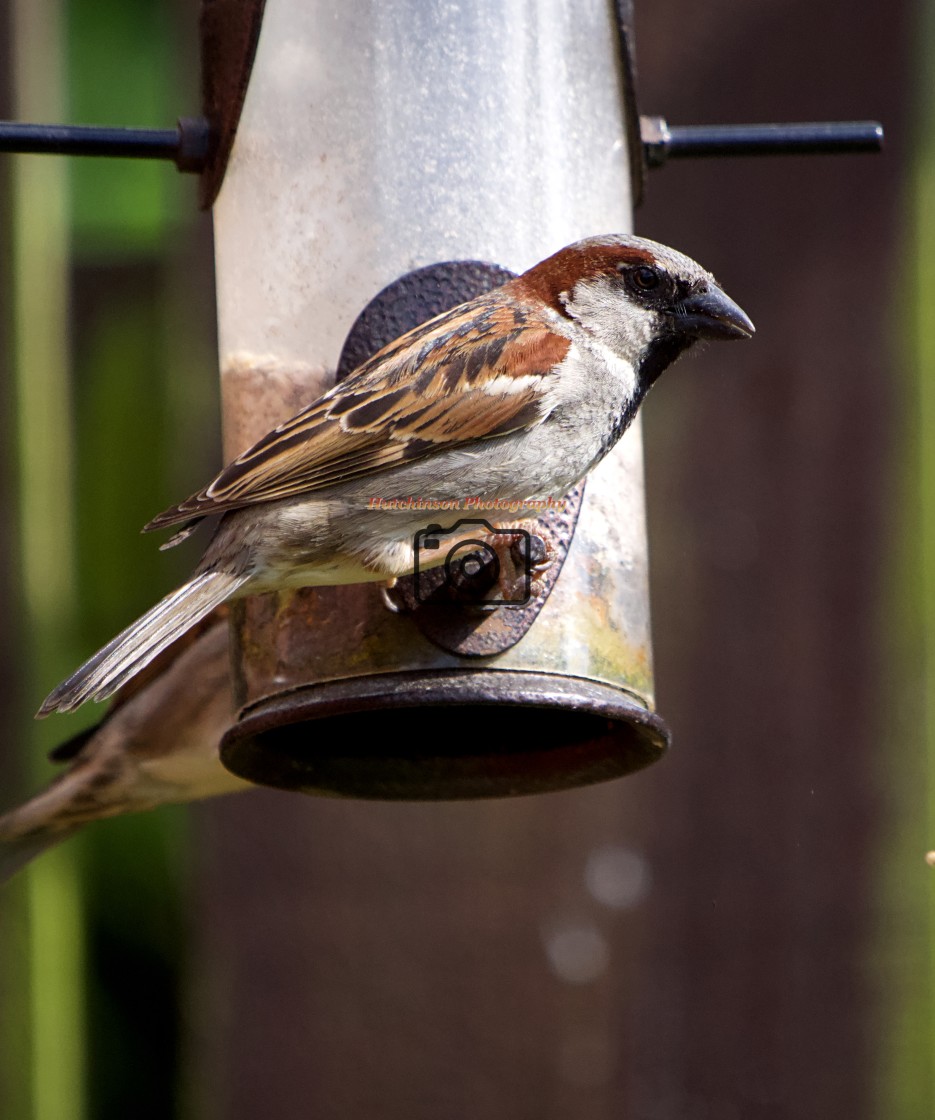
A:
[230, 32]
[267, 746]
[623, 11]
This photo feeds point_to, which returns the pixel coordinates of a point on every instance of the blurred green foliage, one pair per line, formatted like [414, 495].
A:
[125, 69]
[101, 1005]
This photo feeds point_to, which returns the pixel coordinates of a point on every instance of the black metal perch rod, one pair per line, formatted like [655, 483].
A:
[662, 141]
[188, 144]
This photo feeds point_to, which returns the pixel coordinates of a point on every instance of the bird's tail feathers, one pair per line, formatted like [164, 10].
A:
[135, 647]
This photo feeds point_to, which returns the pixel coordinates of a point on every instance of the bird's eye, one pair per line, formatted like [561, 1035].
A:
[645, 278]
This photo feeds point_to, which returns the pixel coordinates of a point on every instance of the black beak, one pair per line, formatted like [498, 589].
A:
[712, 314]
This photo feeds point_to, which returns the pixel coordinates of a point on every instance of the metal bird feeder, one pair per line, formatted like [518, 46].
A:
[361, 184]
[426, 192]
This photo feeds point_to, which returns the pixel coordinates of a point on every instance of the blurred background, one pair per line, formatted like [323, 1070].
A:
[742, 931]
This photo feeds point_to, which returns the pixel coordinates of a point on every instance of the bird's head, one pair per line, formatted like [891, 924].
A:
[646, 302]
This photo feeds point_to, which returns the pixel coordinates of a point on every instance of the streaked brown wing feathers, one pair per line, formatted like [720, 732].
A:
[474, 373]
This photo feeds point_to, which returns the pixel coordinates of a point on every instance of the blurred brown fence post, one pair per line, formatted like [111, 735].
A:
[687, 943]
[774, 526]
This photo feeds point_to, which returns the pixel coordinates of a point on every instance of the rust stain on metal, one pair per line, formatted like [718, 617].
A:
[259, 392]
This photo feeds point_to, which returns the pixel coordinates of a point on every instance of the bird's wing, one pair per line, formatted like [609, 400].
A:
[477, 372]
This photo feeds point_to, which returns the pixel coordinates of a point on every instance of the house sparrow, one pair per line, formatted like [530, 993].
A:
[515, 395]
[158, 744]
